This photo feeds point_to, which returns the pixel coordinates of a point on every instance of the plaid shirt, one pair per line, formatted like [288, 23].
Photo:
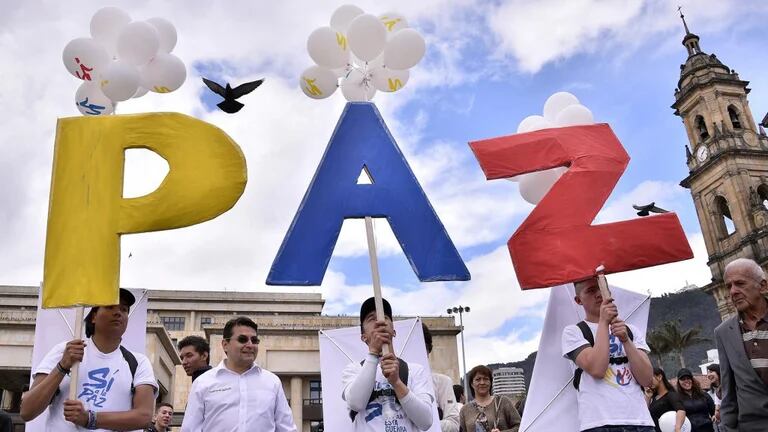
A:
[756, 346]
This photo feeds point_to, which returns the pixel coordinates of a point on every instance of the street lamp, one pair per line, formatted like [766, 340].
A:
[460, 310]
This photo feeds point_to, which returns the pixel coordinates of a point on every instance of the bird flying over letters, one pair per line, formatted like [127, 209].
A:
[229, 104]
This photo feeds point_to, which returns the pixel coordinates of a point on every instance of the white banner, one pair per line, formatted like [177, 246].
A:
[552, 397]
[342, 346]
[54, 326]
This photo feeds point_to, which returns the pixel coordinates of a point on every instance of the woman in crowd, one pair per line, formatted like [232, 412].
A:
[664, 398]
[487, 413]
[715, 392]
[699, 407]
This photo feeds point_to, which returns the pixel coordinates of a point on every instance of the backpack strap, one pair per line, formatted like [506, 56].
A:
[587, 333]
[133, 364]
[403, 372]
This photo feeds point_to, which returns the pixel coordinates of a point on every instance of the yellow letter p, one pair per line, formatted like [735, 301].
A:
[87, 214]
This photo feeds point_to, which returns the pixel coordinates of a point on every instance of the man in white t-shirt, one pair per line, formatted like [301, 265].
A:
[393, 397]
[115, 389]
[609, 369]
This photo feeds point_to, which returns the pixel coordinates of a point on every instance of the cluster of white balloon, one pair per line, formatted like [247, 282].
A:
[123, 59]
[560, 110]
[367, 53]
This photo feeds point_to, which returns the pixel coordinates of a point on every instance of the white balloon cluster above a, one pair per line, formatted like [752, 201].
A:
[560, 110]
[362, 54]
[123, 59]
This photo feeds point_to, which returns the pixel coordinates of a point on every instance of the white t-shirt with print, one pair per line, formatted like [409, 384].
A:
[384, 414]
[104, 383]
[616, 399]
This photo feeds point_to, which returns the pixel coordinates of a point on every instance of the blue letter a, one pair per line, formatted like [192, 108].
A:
[361, 139]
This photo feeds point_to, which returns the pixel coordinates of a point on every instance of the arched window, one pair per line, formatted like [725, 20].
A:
[701, 128]
[734, 115]
[724, 216]
[762, 192]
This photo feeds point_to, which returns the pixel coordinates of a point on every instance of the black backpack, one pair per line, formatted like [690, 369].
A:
[386, 392]
[587, 333]
[133, 364]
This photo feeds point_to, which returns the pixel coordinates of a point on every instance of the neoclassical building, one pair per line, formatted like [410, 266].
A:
[288, 328]
[727, 157]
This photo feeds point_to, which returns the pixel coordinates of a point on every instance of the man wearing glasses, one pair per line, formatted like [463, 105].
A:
[238, 394]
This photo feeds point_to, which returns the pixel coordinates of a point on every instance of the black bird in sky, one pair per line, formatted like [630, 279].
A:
[645, 210]
[229, 104]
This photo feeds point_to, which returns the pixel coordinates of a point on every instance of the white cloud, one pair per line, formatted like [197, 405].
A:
[283, 135]
[493, 295]
[666, 195]
[536, 33]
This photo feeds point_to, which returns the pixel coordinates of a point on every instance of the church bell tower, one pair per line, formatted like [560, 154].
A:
[727, 159]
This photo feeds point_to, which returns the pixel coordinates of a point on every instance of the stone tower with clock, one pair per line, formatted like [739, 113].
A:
[727, 158]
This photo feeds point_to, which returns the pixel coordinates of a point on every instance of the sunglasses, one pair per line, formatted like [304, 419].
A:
[243, 339]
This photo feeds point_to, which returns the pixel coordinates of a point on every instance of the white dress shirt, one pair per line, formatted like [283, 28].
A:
[225, 401]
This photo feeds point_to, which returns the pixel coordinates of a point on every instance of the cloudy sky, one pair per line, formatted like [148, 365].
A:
[489, 64]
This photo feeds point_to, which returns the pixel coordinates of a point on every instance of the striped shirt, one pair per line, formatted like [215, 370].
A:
[756, 346]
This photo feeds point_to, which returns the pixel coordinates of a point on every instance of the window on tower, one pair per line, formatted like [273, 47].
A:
[701, 128]
[762, 192]
[734, 115]
[726, 227]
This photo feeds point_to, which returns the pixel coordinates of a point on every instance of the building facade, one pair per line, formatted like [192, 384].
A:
[509, 381]
[727, 157]
[288, 329]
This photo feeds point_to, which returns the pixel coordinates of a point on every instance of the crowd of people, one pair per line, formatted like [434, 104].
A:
[617, 388]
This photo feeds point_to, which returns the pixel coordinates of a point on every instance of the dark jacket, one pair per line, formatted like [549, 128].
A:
[199, 372]
[699, 411]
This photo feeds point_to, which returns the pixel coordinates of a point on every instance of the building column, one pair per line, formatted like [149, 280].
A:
[297, 403]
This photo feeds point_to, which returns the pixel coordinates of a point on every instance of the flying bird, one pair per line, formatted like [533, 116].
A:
[645, 210]
[229, 104]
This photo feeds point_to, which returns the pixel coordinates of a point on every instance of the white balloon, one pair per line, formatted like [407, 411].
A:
[164, 74]
[404, 50]
[667, 422]
[357, 87]
[91, 101]
[574, 115]
[343, 16]
[533, 123]
[166, 33]
[389, 80]
[376, 63]
[106, 25]
[367, 37]
[533, 186]
[318, 82]
[138, 43]
[342, 72]
[141, 91]
[393, 22]
[120, 81]
[556, 103]
[328, 48]
[85, 58]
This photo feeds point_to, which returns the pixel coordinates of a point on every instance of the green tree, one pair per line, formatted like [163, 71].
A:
[670, 338]
[658, 346]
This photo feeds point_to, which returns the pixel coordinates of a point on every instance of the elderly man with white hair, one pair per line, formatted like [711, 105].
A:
[742, 342]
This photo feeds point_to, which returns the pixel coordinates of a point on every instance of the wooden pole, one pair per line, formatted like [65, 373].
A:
[75, 370]
[375, 275]
[602, 282]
